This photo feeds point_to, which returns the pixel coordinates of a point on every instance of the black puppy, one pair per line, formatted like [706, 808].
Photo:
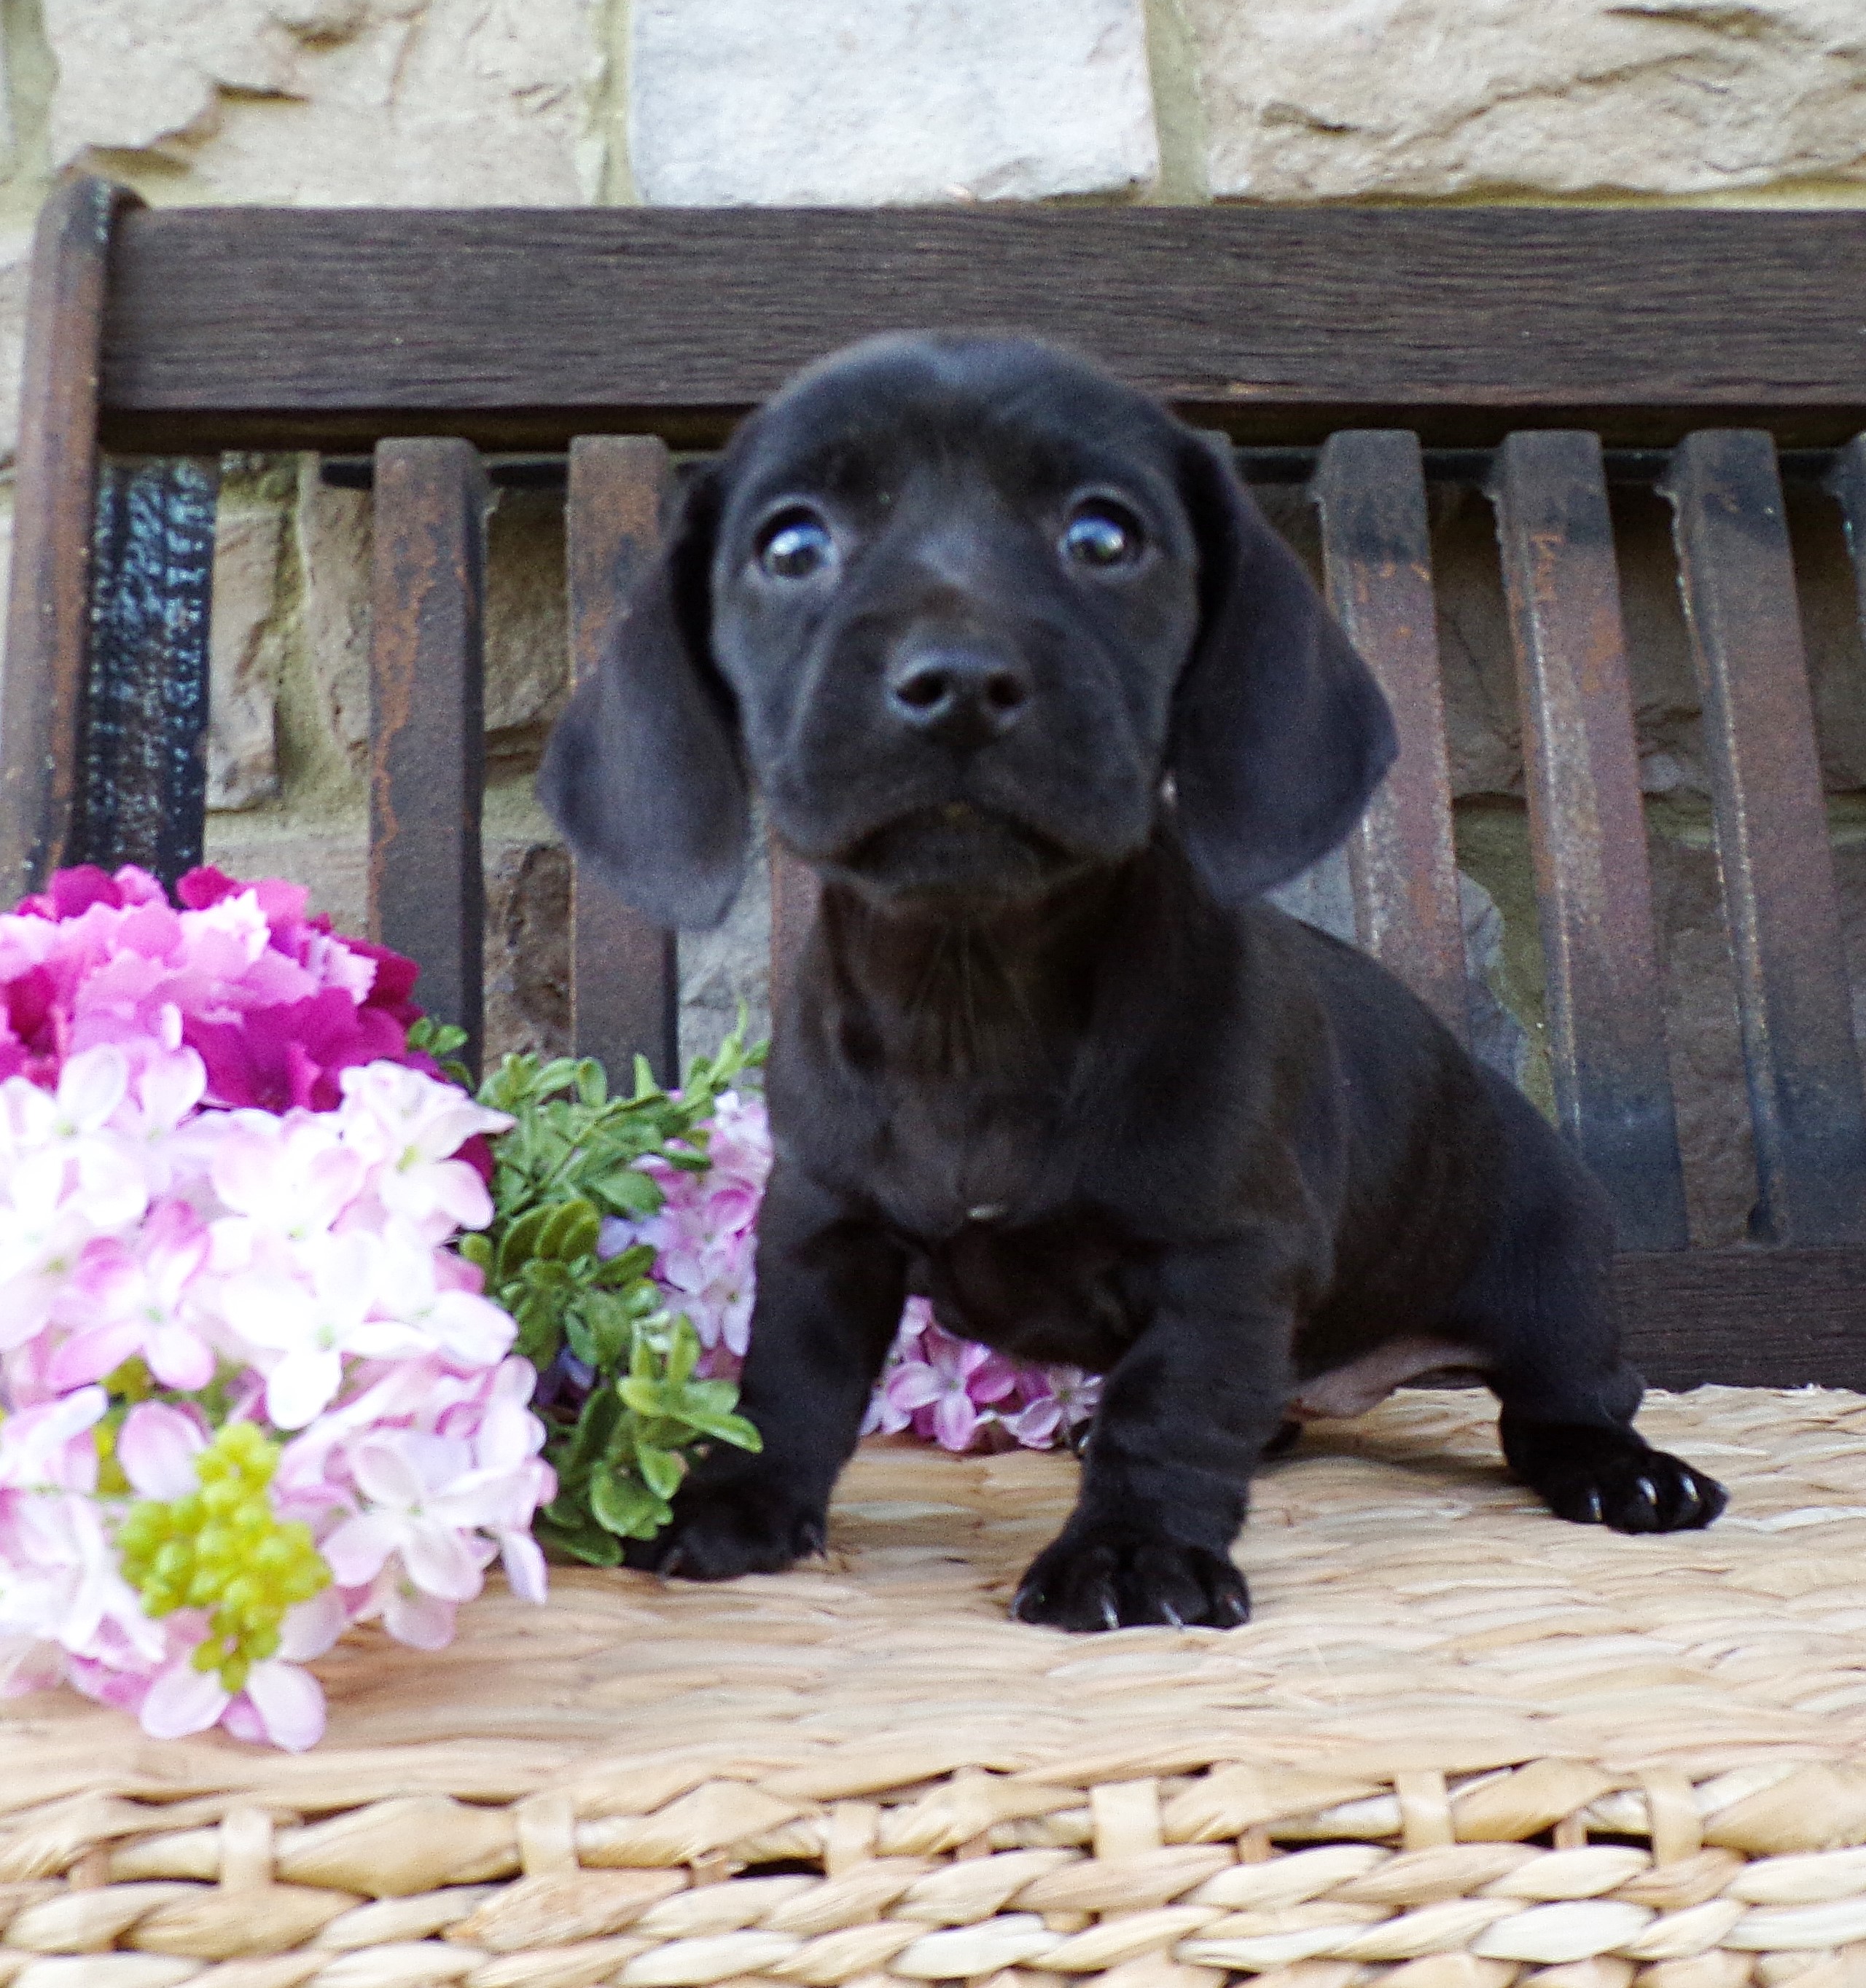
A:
[1025, 676]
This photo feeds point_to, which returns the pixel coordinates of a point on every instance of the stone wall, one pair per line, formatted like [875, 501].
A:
[555, 102]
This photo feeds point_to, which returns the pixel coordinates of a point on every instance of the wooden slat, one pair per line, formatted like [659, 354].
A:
[625, 981]
[1779, 899]
[1376, 552]
[1747, 1318]
[47, 615]
[795, 893]
[1593, 887]
[426, 727]
[144, 786]
[1848, 482]
[502, 324]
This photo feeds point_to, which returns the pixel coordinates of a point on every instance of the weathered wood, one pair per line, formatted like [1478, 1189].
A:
[1593, 886]
[1779, 901]
[1747, 1318]
[1377, 558]
[294, 325]
[143, 795]
[1847, 481]
[624, 980]
[427, 722]
[47, 615]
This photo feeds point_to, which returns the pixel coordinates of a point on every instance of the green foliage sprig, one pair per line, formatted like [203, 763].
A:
[621, 1440]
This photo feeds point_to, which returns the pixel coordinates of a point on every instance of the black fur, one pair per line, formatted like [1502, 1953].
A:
[1050, 1058]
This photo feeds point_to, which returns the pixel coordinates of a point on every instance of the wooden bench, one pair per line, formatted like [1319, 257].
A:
[1362, 352]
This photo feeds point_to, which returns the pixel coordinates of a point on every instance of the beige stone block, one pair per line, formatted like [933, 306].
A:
[243, 658]
[412, 103]
[15, 258]
[796, 102]
[527, 884]
[1335, 99]
[329, 856]
[527, 638]
[333, 529]
[527, 949]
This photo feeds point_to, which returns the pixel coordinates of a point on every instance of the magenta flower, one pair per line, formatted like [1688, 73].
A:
[222, 1171]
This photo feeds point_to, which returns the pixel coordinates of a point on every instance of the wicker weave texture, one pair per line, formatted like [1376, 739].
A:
[1460, 1746]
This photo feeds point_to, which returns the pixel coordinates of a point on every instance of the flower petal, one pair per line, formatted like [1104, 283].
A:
[181, 1701]
[156, 1448]
[290, 1703]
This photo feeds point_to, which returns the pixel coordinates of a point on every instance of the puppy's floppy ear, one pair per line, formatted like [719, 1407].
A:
[643, 773]
[1280, 733]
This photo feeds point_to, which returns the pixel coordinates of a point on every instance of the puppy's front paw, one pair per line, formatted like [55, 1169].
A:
[1596, 1477]
[1108, 1578]
[718, 1531]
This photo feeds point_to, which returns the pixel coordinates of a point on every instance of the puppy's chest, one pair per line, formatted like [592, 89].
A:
[947, 1157]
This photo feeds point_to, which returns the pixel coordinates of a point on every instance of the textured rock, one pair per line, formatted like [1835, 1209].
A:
[15, 254]
[788, 101]
[525, 638]
[1332, 99]
[243, 658]
[729, 965]
[333, 529]
[527, 886]
[527, 949]
[411, 102]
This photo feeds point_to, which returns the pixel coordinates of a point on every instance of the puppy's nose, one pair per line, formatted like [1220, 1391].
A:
[963, 697]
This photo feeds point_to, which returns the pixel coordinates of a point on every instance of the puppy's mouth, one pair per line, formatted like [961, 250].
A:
[957, 852]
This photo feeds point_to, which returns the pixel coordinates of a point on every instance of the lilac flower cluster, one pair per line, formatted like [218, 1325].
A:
[945, 1390]
[173, 1265]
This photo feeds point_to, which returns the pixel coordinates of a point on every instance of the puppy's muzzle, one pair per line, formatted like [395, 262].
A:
[957, 696]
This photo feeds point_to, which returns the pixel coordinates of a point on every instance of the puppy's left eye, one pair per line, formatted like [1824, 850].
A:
[1101, 534]
[794, 545]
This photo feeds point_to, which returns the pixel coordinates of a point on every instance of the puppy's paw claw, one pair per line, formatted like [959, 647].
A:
[1646, 1491]
[718, 1532]
[1106, 1578]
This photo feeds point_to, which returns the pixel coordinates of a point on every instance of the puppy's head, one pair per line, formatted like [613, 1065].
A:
[960, 606]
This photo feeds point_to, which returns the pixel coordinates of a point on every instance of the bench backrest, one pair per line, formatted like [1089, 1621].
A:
[1531, 351]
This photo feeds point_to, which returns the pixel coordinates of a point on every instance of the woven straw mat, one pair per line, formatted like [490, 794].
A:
[1461, 1745]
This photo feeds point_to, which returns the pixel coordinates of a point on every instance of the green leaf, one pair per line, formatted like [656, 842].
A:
[646, 1397]
[571, 1231]
[583, 1540]
[520, 1240]
[582, 1340]
[629, 1509]
[592, 1083]
[661, 1469]
[683, 1354]
[724, 1427]
[628, 1191]
[632, 1265]
[610, 1329]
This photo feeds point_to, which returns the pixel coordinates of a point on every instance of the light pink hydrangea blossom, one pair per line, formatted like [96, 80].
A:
[221, 1167]
[944, 1389]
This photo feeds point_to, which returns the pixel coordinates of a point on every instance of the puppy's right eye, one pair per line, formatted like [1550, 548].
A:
[794, 545]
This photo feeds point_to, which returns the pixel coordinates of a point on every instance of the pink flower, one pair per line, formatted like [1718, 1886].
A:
[425, 1498]
[141, 1301]
[310, 1321]
[217, 1157]
[953, 1379]
[408, 1127]
[157, 1446]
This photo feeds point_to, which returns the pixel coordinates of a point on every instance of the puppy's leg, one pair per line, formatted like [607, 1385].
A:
[830, 1293]
[1537, 1303]
[1183, 1419]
